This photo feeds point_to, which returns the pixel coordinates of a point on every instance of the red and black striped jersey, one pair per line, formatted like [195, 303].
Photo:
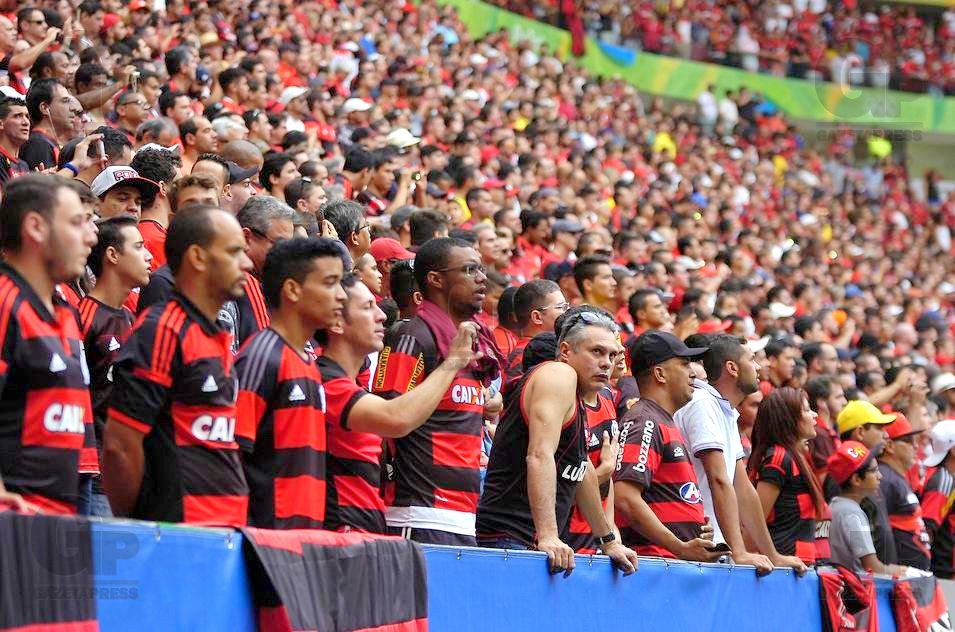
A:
[175, 382]
[505, 509]
[514, 366]
[653, 454]
[246, 315]
[281, 427]
[792, 520]
[105, 330]
[154, 238]
[46, 418]
[354, 458]
[601, 418]
[937, 500]
[905, 515]
[436, 469]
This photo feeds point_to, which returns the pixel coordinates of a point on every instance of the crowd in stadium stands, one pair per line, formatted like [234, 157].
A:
[886, 44]
[339, 265]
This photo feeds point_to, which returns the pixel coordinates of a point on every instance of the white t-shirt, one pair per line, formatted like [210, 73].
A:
[709, 423]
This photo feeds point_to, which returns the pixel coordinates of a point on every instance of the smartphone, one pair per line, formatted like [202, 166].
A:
[100, 150]
[721, 547]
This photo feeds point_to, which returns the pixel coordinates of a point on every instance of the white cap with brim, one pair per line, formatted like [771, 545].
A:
[291, 93]
[112, 177]
[943, 382]
[355, 105]
[781, 310]
[943, 440]
[757, 344]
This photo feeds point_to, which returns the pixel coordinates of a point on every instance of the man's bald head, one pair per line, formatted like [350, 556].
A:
[243, 153]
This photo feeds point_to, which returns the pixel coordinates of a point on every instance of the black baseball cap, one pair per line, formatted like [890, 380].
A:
[655, 347]
[238, 174]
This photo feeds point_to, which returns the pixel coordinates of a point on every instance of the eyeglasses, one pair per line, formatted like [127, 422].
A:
[140, 103]
[363, 227]
[470, 269]
[255, 231]
[911, 440]
[562, 307]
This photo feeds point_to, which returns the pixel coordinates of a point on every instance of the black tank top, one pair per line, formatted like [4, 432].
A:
[504, 508]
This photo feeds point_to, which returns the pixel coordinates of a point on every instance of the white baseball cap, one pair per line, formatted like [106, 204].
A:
[402, 138]
[943, 440]
[943, 382]
[290, 93]
[355, 105]
[112, 177]
[781, 310]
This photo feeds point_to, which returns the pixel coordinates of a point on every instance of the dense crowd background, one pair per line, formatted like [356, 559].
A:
[697, 219]
[886, 45]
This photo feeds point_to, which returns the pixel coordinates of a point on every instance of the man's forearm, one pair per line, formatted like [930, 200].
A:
[542, 494]
[122, 476]
[751, 514]
[727, 514]
[642, 518]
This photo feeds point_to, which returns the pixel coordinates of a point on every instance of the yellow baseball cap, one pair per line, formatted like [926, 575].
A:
[859, 413]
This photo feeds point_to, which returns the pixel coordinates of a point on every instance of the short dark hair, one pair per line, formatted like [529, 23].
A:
[358, 159]
[32, 192]
[819, 387]
[40, 92]
[775, 348]
[168, 100]
[811, 351]
[110, 234]
[530, 218]
[191, 226]
[433, 256]
[272, 166]
[638, 300]
[529, 297]
[203, 180]
[231, 75]
[803, 324]
[402, 284]
[298, 189]
[158, 165]
[8, 104]
[43, 62]
[293, 259]
[586, 269]
[424, 224]
[723, 348]
[176, 58]
[219, 160]
[505, 309]
[187, 127]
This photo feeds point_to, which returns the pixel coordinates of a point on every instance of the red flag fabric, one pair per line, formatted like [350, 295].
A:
[918, 605]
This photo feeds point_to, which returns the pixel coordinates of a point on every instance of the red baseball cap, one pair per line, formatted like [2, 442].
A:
[385, 248]
[714, 326]
[900, 427]
[849, 459]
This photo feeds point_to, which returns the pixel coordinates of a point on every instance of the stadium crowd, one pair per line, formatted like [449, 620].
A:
[881, 45]
[342, 266]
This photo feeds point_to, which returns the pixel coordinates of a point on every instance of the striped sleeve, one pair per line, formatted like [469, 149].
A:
[8, 297]
[776, 467]
[257, 369]
[142, 373]
[400, 367]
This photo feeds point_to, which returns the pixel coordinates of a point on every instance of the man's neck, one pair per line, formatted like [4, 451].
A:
[111, 290]
[560, 250]
[661, 399]
[195, 289]
[158, 212]
[729, 392]
[292, 328]
[775, 380]
[345, 354]
[44, 128]
[893, 463]
[8, 146]
[596, 302]
[36, 276]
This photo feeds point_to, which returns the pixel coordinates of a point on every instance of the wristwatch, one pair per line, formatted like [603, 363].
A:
[607, 539]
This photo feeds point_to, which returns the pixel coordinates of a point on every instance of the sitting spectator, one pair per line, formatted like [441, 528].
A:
[854, 469]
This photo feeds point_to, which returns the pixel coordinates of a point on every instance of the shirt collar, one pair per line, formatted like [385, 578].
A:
[722, 401]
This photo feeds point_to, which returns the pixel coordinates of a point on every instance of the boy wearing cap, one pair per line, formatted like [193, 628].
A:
[853, 467]
[658, 501]
[121, 191]
[905, 512]
[938, 498]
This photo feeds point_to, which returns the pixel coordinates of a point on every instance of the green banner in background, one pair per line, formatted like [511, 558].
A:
[681, 79]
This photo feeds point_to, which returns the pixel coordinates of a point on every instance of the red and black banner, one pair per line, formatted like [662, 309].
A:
[333, 582]
[848, 601]
[918, 605]
[46, 574]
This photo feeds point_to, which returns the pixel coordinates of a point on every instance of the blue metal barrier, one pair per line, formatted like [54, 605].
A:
[150, 577]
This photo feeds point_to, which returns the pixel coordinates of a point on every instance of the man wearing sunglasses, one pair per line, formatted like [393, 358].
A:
[538, 469]
[912, 544]
[131, 111]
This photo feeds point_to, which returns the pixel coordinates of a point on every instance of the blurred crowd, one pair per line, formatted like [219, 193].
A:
[903, 47]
